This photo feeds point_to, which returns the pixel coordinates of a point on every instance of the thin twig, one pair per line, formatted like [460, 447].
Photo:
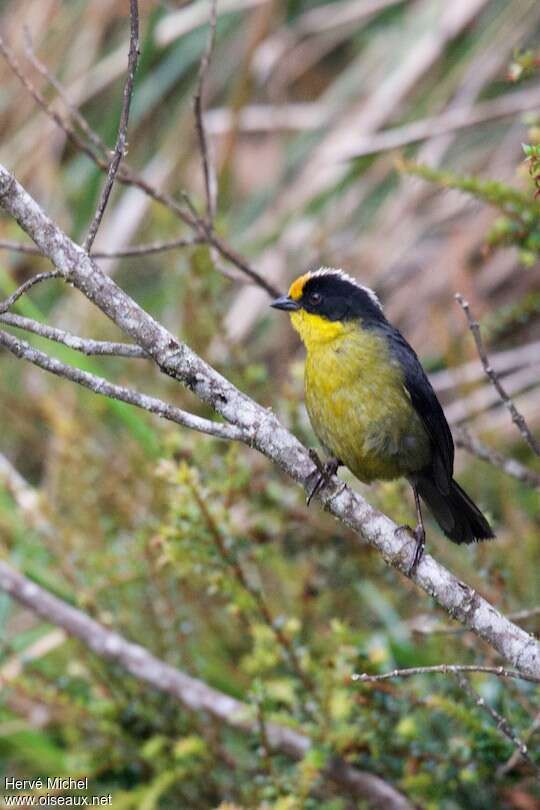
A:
[235, 258]
[445, 669]
[210, 185]
[511, 763]
[23, 350]
[426, 625]
[78, 344]
[145, 249]
[74, 112]
[8, 303]
[510, 466]
[192, 693]
[522, 615]
[501, 723]
[121, 140]
[148, 248]
[19, 247]
[130, 177]
[517, 418]
[40, 100]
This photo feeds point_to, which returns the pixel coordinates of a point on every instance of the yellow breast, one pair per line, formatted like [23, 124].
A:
[356, 399]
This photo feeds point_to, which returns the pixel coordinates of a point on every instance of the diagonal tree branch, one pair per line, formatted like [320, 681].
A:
[192, 693]
[78, 344]
[263, 431]
[23, 350]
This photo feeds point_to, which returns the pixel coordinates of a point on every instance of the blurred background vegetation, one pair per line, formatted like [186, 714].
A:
[199, 549]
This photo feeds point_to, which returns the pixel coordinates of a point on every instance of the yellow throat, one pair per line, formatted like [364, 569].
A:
[313, 330]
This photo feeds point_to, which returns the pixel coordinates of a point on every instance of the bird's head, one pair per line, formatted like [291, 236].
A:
[326, 303]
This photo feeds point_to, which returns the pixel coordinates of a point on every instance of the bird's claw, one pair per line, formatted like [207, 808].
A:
[324, 473]
[419, 535]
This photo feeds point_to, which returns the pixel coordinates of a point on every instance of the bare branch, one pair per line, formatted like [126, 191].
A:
[23, 350]
[522, 615]
[148, 248]
[121, 140]
[74, 112]
[427, 625]
[125, 175]
[20, 291]
[78, 344]
[192, 693]
[516, 757]
[445, 669]
[142, 250]
[210, 185]
[501, 723]
[510, 466]
[261, 429]
[38, 97]
[129, 176]
[235, 258]
[517, 418]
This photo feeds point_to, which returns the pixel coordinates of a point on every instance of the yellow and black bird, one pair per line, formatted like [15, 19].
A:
[371, 404]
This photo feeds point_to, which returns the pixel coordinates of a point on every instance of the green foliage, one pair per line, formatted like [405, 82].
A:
[520, 224]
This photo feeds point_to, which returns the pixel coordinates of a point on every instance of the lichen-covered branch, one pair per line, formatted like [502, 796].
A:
[261, 429]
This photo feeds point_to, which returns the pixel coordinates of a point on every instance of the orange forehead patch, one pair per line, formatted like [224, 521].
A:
[297, 287]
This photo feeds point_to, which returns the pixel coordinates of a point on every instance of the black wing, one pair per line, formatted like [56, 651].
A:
[428, 407]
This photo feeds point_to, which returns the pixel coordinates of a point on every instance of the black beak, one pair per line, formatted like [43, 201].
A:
[286, 303]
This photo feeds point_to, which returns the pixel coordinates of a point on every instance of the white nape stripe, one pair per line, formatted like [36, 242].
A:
[334, 271]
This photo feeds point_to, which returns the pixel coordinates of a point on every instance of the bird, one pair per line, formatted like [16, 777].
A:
[371, 404]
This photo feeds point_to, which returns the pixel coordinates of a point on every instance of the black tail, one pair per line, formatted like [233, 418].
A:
[459, 518]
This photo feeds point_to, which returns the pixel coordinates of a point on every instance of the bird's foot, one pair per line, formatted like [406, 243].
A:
[323, 474]
[419, 535]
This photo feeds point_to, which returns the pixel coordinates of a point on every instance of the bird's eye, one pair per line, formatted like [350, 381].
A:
[315, 298]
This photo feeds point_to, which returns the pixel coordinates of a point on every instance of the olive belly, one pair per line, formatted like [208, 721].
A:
[368, 422]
